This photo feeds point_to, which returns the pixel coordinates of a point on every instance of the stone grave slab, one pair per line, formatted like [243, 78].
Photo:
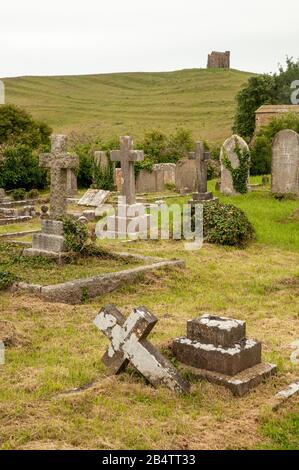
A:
[94, 198]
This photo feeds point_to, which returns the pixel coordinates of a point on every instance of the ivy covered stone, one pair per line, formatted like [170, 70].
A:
[235, 166]
[75, 233]
[225, 224]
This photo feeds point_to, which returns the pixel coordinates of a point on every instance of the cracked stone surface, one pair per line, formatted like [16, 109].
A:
[128, 343]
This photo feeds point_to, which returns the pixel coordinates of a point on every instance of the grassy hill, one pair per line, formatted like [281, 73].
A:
[131, 103]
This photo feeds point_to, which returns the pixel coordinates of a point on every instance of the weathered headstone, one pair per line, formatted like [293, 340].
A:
[128, 343]
[50, 242]
[101, 159]
[285, 162]
[201, 158]
[131, 219]
[216, 348]
[229, 150]
[127, 156]
[94, 198]
[186, 176]
[71, 183]
[59, 162]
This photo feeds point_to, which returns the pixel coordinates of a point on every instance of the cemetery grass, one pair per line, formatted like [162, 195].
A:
[38, 270]
[110, 105]
[58, 348]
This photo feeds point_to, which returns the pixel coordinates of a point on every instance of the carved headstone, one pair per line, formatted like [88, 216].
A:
[59, 162]
[127, 156]
[229, 150]
[201, 158]
[285, 162]
[128, 343]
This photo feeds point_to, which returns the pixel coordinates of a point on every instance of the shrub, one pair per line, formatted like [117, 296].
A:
[76, 234]
[18, 194]
[18, 127]
[6, 280]
[33, 194]
[226, 224]
[103, 178]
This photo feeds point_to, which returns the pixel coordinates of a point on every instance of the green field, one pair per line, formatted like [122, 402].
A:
[132, 103]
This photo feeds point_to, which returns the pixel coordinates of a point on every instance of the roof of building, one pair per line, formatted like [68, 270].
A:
[277, 108]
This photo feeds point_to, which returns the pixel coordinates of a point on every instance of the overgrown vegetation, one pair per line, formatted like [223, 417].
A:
[6, 280]
[75, 233]
[241, 173]
[21, 139]
[225, 224]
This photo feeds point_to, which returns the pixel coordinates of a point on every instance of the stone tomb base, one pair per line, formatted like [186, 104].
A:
[238, 384]
[49, 242]
[216, 348]
[200, 198]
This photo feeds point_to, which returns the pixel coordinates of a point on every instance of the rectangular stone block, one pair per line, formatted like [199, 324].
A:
[229, 361]
[45, 242]
[218, 331]
[52, 227]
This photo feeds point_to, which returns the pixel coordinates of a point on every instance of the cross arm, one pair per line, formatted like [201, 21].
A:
[140, 322]
[115, 155]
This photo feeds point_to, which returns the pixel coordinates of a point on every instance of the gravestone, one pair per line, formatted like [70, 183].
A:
[71, 183]
[128, 343]
[127, 156]
[201, 161]
[216, 348]
[59, 161]
[285, 162]
[50, 242]
[186, 176]
[131, 219]
[94, 198]
[101, 159]
[229, 149]
[162, 174]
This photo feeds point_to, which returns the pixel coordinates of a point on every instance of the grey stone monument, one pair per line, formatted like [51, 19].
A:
[127, 156]
[201, 158]
[128, 343]
[59, 161]
[285, 162]
[216, 348]
[228, 149]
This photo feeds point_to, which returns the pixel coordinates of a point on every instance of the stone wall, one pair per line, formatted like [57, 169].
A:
[266, 113]
[219, 60]
[150, 181]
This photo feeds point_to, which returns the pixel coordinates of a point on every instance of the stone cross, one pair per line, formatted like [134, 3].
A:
[59, 161]
[201, 158]
[129, 344]
[127, 156]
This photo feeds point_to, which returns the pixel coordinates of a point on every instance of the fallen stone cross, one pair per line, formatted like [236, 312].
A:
[216, 348]
[129, 344]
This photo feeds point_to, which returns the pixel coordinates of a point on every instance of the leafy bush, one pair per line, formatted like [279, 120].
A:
[225, 224]
[103, 178]
[33, 194]
[18, 194]
[18, 127]
[76, 234]
[19, 167]
[6, 280]
[261, 153]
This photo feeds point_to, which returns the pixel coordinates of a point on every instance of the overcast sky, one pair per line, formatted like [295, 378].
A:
[60, 37]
